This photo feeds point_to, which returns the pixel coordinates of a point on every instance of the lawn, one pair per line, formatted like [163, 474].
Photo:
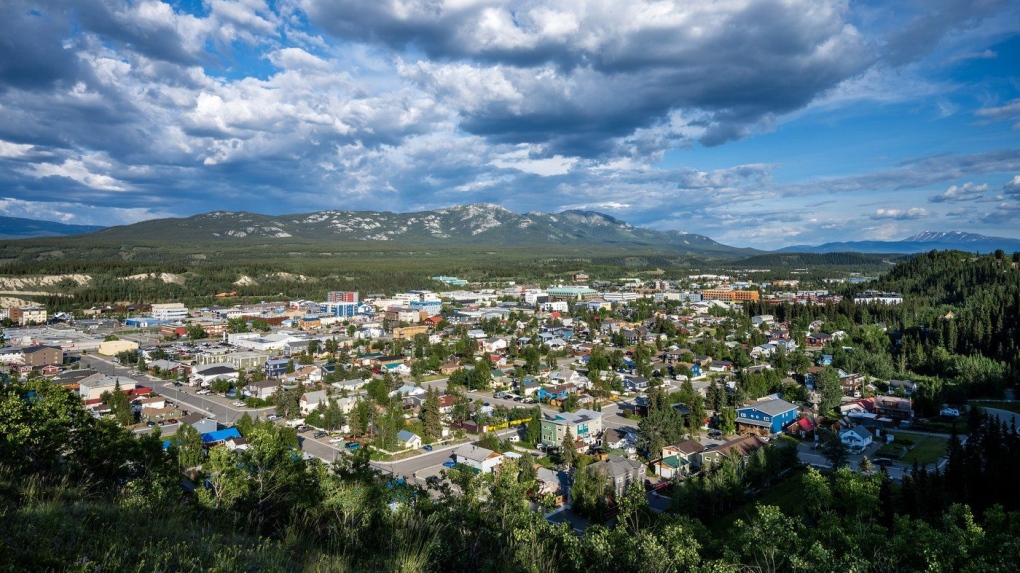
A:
[1007, 406]
[929, 450]
[787, 495]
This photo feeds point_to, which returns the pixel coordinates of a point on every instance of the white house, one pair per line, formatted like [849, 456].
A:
[205, 375]
[408, 440]
[409, 390]
[311, 400]
[479, 458]
[856, 438]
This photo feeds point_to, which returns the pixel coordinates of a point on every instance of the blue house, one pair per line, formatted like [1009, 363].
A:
[695, 370]
[276, 368]
[766, 417]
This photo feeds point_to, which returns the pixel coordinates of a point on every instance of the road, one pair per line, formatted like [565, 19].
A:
[214, 406]
[1004, 415]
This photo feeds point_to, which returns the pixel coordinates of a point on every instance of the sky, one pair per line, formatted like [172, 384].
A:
[760, 123]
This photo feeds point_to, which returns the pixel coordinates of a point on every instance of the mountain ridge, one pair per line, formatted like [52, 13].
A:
[24, 228]
[477, 224]
[917, 243]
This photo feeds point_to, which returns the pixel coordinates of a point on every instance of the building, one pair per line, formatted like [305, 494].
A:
[738, 448]
[677, 459]
[409, 440]
[621, 472]
[765, 417]
[311, 400]
[730, 295]
[871, 296]
[409, 332]
[856, 438]
[480, 459]
[39, 356]
[23, 315]
[583, 424]
[169, 312]
[276, 368]
[572, 294]
[12, 355]
[894, 407]
[205, 375]
[337, 296]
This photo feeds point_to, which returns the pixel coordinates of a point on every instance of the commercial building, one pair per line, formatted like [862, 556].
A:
[169, 312]
[115, 347]
[730, 295]
[572, 294]
[39, 356]
[23, 315]
[338, 296]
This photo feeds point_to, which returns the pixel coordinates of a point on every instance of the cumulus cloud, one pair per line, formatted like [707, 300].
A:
[573, 75]
[1012, 187]
[966, 192]
[901, 214]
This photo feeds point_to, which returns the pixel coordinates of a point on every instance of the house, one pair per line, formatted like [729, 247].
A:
[617, 440]
[311, 400]
[583, 424]
[552, 482]
[480, 459]
[276, 368]
[765, 417]
[205, 375]
[408, 440]
[219, 437]
[856, 438]
[677, 459]
[449, 368]
[567, 377]
[818, 339]
[802, 428]
[906, 387]
[894, 407]
[261, 390]
[635, 383]
[199, 422]
[738, 447]
[409, 390]
[621, 472]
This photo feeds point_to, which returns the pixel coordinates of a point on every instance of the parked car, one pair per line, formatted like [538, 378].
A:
[272, 417]
[882, 462]
[498, 395]
[433, 480]
[427, 448]
[336, 440]
[449, 464]
[353, 446]
[319, 434]
[950, 412]
[237, 404]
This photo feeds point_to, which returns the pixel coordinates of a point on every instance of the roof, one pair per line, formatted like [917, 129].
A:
[474, 453]
[216, 369]
[774, 407]
[674, 462]
[316, 396]
[574, 418]
[615, 466]
[688, 447]
[406, 436]
[744, 446]
[220, 435]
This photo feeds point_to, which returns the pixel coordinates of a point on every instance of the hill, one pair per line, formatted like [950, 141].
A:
[19, 228]
[919, 243]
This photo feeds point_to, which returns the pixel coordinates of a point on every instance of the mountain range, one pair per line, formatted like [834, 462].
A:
[18, 228]
[468, 225]
[919, 243]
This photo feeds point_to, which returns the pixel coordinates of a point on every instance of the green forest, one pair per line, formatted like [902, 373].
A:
[83, 494]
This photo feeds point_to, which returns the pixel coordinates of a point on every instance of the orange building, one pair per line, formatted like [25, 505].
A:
[730, 295]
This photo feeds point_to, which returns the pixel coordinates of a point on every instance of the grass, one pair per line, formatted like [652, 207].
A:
[787, 495]
[927, 451]
[1007, 406]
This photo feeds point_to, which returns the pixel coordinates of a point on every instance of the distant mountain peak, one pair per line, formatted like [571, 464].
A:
[21, 228]
[942, 236]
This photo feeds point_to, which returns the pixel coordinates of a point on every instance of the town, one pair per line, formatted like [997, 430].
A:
[649, 384]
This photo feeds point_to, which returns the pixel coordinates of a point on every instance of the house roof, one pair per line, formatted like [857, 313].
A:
[220, 435]
[315, 397]
[406, 436]
[744, 446]
[475, 453]
[688, 447]
[616, 466]
[773, 407]
[674, 462]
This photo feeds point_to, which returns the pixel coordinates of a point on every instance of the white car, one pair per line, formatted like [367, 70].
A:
[238, 404]
[336, 440]
[950, 412]
[204, 392]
